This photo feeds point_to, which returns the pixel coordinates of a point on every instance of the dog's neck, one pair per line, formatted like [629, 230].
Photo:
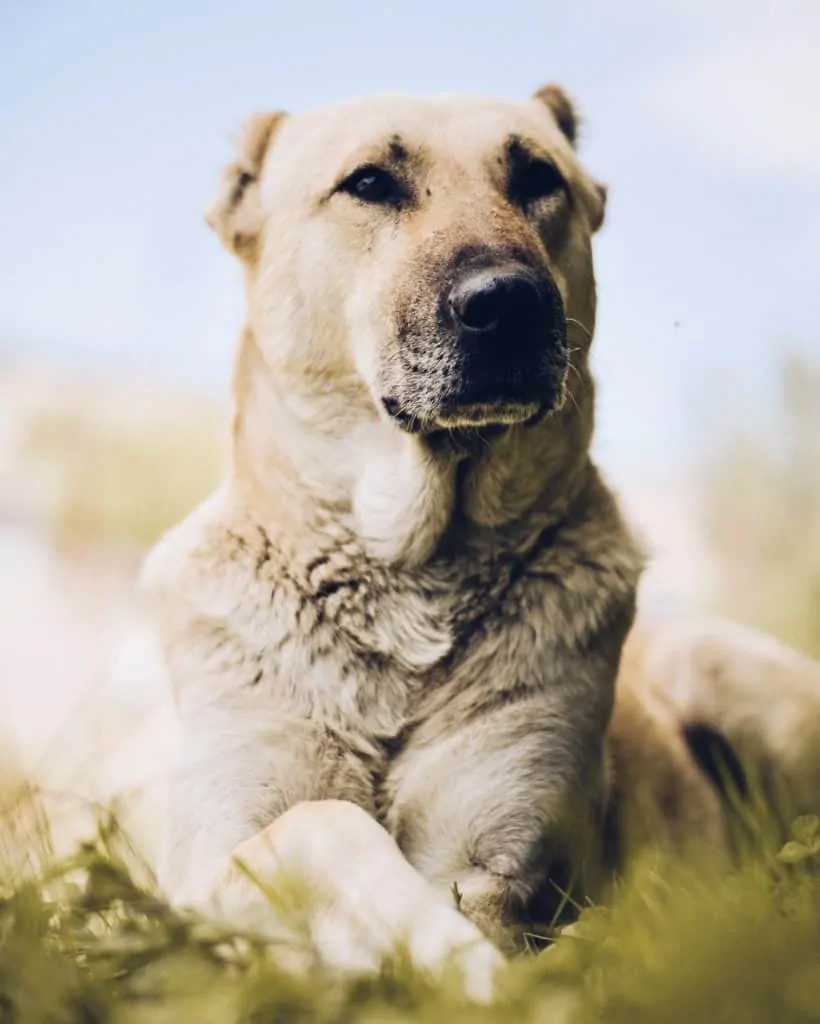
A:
[309, 458]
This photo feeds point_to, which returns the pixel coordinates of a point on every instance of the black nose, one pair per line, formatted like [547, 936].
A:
[496, 300]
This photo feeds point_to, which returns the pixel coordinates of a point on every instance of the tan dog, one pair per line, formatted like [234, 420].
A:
[412, 592]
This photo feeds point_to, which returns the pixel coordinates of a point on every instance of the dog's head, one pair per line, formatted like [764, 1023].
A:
[423, 257]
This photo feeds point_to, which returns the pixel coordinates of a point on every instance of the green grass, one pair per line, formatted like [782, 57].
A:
[127, 479]
[761, 515]
[87, 940]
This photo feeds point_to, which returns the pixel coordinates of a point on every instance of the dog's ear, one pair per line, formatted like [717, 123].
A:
[595, 196]
[235, 213]
[566, 116]
[562, 108]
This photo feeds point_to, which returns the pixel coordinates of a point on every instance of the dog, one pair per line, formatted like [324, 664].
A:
[394, 633]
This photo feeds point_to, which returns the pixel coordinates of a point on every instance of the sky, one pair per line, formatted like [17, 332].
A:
[702, 116]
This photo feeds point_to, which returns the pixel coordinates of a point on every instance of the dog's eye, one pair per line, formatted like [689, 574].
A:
[372, 184]
[535, 180]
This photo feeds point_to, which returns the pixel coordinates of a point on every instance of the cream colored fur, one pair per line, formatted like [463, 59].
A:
[378, 632]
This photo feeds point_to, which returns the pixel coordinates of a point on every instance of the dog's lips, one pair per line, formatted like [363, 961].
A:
[484, 414]
[464, 416]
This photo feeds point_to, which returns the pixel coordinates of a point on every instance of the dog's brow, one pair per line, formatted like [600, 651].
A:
[392, 152]
[397, 149]
[519, 150]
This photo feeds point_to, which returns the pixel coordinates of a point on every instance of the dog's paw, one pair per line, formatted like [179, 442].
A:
[328, 877]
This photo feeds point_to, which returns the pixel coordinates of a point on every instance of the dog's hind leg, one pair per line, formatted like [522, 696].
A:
[762, 696]
[327, 873]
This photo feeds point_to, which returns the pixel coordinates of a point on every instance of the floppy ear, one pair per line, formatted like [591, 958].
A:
[595, 198]
[562, 109]
[235, 214]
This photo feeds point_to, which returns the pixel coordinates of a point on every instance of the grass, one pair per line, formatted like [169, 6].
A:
[761, 515]
[87, 940]
[125, 474]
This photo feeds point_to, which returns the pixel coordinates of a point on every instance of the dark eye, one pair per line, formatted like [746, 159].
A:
[373, 185]
[535, 180]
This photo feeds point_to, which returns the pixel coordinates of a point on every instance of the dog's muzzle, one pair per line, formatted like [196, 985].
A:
[509, 332]
[498, 355]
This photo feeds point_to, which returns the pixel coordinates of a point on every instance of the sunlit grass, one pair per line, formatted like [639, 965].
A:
[761, 501]
[113, 480]
[87, 939]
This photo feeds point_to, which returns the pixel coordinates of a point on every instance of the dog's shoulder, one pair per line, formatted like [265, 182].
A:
[197, 561]
[593, 566]
[210, 591]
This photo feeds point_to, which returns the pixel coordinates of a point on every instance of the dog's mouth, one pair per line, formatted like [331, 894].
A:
[493, 417]
[475, 415]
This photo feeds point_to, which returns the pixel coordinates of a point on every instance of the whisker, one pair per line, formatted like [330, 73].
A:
[584, 328]
[571, 397]
[571, 349]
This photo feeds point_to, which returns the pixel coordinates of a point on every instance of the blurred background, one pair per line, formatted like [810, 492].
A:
[119, 310]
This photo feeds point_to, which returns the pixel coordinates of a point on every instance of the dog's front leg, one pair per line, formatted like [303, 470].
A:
[323, 878]
[498, 808]
[241, 765]
[358, 899]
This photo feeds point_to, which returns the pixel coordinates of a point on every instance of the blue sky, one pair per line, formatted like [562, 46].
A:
[701, 116]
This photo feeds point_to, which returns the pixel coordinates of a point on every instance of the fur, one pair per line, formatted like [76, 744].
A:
[420, 619]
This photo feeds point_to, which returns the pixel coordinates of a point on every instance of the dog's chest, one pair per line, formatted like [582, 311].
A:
[360, 647]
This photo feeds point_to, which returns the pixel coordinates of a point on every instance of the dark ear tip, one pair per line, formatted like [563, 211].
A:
[562, 108]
